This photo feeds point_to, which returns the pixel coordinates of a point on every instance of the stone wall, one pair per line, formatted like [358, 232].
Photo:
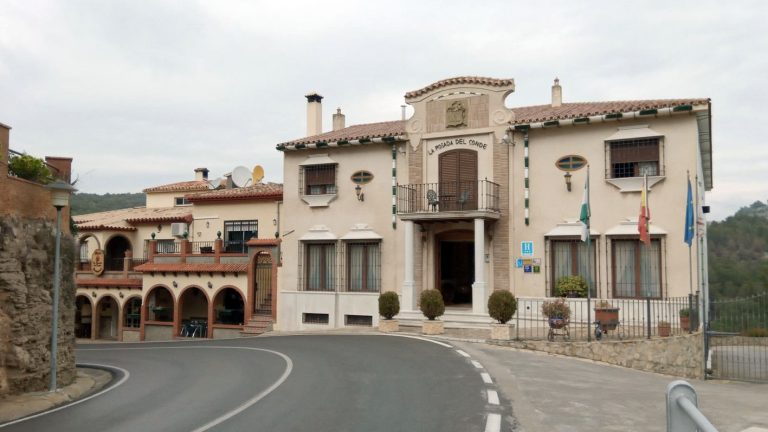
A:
[680, 356]
[26, 282]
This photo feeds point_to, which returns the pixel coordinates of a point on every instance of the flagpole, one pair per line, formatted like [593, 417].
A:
[589, 264]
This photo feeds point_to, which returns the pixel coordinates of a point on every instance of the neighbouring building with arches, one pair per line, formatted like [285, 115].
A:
[194, 262]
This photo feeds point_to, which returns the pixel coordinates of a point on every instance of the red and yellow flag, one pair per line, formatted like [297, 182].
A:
[645, 215]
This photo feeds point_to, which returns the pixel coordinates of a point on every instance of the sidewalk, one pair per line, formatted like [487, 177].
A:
[88, 381]
[553, 393]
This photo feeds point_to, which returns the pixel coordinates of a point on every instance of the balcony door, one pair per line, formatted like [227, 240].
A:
[458, 180]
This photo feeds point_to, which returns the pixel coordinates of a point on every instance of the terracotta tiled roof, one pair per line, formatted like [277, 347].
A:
[355, 132]
[540, 113]
[493, 82]
[260, 191]
[124, 219]
[102, 282]
[186, 186]
[192, 267]
[263, 242]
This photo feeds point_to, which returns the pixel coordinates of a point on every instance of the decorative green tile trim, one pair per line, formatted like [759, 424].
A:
[681, 108]
[649, 112]
[614, 116]
[581, 120]
[551, 123]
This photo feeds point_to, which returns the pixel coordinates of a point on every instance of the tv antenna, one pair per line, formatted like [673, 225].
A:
[241, 176]
[257, 174]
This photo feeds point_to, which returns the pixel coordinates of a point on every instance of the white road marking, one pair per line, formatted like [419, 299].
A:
[486, 378]
[493, 397]
[493, 423]
[125, 377]
[420, 338]
[245, 405]
[462, 353]
[477, 364]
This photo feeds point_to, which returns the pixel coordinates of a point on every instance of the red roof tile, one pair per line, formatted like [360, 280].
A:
[540, 113]
[124, 219]
[260, 191]
[493, 82]
[356, 132]
[192, 268]
[185, 186]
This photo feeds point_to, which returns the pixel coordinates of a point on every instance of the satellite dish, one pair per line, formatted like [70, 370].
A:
[258, 174]
[241, 176]
[215, 183]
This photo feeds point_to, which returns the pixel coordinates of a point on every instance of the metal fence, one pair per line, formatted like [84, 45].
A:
[448, 196]
[737, 338]
[631, 319]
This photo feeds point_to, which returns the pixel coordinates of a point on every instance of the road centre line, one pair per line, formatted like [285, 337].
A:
[477, 364]
[493, 397]
[462, 353]
[486, 378]
[242, 407]
[125, 377]
[493, 423]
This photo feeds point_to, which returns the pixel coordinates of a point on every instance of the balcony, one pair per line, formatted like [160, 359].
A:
[448, 200]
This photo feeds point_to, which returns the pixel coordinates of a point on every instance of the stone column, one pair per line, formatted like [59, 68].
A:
[408, 282]
[479, 287]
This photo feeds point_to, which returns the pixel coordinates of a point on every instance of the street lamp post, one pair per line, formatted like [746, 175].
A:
[60, 191]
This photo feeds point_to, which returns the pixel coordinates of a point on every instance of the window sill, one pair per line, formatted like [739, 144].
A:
[633, 184]
[318, 200]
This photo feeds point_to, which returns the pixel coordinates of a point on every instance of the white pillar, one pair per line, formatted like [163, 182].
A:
[408, 281]
[478, 288]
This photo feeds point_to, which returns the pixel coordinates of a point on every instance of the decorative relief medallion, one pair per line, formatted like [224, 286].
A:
[456, 114]
[500, 116]
[415, 125]
[97, 262]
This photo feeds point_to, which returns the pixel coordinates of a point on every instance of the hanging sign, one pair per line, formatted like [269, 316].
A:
[97, 262]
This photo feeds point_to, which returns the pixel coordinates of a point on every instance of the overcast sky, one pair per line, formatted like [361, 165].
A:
[140, 93]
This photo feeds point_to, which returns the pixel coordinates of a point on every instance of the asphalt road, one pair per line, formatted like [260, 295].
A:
[287, 383]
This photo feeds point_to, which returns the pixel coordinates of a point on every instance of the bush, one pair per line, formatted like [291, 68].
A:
[389, 304]
[29, 168]
[571, 286]
[757, 332]
[685, 312]
[603, 304]
[431, 304]
[502, 305]
[556, 309]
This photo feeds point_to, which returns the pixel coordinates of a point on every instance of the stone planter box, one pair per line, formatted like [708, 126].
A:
[501, 331]
[432, 327]
[685, 323]
[389, 326]
[665, 329]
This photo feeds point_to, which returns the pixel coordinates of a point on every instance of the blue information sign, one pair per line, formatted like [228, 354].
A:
[526, 248]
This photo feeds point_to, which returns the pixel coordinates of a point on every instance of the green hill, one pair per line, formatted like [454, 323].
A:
[84, 203]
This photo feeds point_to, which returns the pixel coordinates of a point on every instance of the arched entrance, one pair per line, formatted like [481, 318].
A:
[159, 305]
[261, 288]
[455, 264]
[83, 317]
[228, 307]
[193, 313]
[108, 318]
[115, 251]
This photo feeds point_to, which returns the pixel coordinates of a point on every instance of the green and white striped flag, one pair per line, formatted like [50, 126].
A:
[585, 212]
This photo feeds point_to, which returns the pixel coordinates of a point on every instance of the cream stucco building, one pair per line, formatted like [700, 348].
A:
[468, 196]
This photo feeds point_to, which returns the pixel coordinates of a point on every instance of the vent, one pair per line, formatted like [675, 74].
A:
[314, 318]
[358, 320]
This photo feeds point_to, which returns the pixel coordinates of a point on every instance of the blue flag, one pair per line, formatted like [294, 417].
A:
[689, 219]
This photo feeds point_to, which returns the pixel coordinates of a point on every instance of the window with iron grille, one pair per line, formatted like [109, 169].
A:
[358, 320]
[636, 269]
[318, 179]
[237, 234]
[314, 318]
[132, 313]
[570, 258]
[319, 266]
[84, 257]
[634, 158]
[363, 266]
[167, 247]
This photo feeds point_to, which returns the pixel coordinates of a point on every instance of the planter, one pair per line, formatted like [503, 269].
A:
[501, 331]
[389, 325]
[557, 323]
[432, 327]
[608, 317]
[665, 329]
[685, 323]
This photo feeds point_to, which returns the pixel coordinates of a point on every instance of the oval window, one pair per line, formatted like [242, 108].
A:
[362, 177]
[571, 163]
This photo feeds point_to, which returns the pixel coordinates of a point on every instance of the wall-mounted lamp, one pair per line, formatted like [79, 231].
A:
[207, 224]
[210, 285]
[120, 293]
[159, 228]
[93, 294]
[175, 284]
[359, 193]
[568, 181]
[274, 222]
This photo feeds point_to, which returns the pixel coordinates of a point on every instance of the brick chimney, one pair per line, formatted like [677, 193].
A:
[4, 142]
[338, 120]
[557, 94]
[62, 165]
[201, 174]
[314, 114]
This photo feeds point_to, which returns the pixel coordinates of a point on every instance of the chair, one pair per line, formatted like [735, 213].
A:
[432, 199]
[206, 249]
[463, 198]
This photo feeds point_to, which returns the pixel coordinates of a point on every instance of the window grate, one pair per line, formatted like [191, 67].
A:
[358, 320]
[636, 269]
[633, 158]
[363, 272]
[317, 179]
[237, 233]
[314, 318]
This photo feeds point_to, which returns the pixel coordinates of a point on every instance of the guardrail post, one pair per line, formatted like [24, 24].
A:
[683, 414]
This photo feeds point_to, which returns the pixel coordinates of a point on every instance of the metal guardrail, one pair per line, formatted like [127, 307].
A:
[683, 414]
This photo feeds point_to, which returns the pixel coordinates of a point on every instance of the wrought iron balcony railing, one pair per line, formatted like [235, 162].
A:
[480, 195]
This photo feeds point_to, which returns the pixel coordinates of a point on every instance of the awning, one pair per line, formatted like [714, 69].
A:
[629, 227]
[633, 132]
[361, 232]
[318, 232]
[569, 229]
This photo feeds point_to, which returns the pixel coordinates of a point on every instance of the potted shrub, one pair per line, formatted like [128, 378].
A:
[685, 319]
[432, 306]
[665, 328]
[607, 314]
[389, 306]
[557, 312]
[502, 305]
[571, 286]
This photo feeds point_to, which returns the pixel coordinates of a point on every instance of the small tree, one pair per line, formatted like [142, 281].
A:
[389, 304]
[502, 305]
[431, 304]
[571, 286]
[29, 168]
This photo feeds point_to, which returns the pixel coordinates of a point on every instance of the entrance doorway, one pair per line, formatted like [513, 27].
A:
[456, 271]
[262, 284]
